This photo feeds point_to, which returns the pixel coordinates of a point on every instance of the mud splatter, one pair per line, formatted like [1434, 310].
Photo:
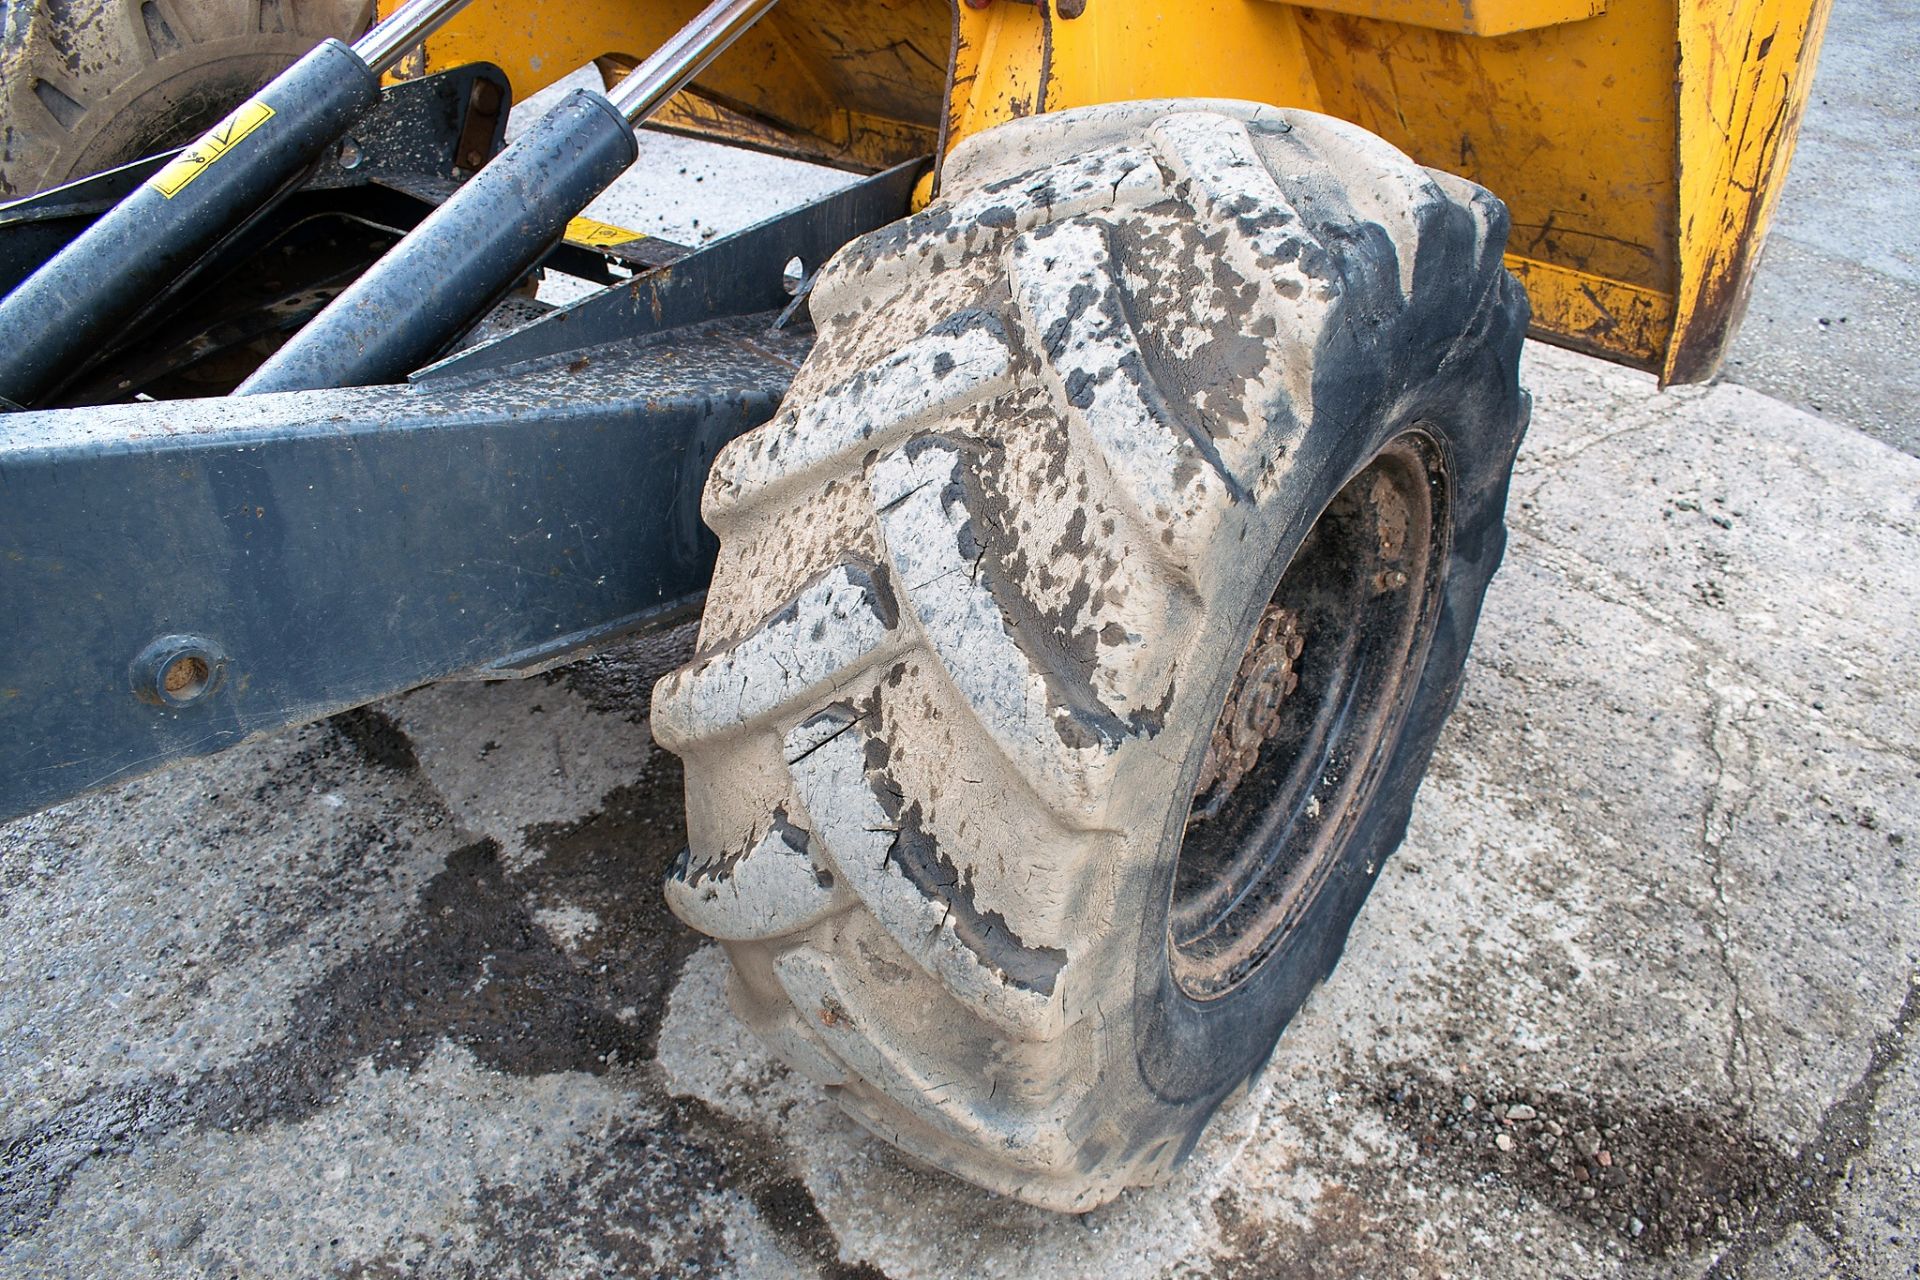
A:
[378, 738]
[476, 969]
[619, 679]
[1665, 1179]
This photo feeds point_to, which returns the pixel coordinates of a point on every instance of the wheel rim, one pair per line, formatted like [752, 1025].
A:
[1310, 717]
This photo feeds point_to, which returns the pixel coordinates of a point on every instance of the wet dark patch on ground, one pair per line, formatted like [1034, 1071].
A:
[633, 1203]
[1663, 1179]
[1821, 1169]
[754, 1168]
[476, 968]
[378, 738]
[645, 1203]
[360, 862]
[37, 1166]
[619, 679]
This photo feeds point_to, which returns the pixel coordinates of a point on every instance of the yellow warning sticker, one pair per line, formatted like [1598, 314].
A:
[222, 138]
[599, 235]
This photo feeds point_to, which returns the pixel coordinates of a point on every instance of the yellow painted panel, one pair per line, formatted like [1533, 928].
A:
[1745, 69]
[537, 42]
[1572, 126]
[1118, 51]
[1640, 144]
[848, 84]
[1468, 17]
[1590, 313]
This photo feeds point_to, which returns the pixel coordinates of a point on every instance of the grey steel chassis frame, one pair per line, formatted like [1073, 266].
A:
[511, 505]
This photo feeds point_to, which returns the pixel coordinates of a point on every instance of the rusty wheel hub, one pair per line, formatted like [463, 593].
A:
[1252, 713]
[1310, 718]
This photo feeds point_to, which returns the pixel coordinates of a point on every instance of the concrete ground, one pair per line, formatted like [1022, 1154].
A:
[397, 994]
[1834, 323]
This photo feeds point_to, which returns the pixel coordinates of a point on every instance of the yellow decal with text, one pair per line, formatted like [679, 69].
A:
[222, 138]
[599, 235]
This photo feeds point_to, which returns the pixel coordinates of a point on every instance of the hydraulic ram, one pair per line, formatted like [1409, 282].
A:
[85, 294]
[412, 304]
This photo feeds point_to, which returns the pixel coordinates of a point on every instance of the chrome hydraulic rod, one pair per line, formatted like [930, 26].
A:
[429, 289]
[396, 35]
[672, 66]
[79, 299]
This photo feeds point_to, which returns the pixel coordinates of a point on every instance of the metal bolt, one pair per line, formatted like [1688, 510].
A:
[178, 671]
[350, 154]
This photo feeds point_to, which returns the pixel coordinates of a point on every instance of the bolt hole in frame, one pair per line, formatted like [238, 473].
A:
[793, 277]
[178, 671]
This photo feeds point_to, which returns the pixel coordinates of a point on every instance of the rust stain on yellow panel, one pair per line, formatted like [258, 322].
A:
[1745, 69]
[1625, 323]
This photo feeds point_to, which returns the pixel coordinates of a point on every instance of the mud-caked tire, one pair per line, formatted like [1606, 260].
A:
[1166, 452]
[89, 84]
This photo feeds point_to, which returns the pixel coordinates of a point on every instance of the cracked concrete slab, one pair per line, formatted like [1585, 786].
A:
[397, 994]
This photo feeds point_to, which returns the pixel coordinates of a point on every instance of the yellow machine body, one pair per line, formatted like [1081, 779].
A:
[1640, 144]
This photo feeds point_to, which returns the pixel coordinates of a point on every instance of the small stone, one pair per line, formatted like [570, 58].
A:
[1504, 1141]
[1605, 1158]
[1636, 1228]
[1520, 1111]
[1586, 1193]
[1553, 1127]
[1587, 1143]
[1469, 1102]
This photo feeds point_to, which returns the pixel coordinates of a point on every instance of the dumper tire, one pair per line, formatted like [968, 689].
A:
[89, 84]
[1165, 453]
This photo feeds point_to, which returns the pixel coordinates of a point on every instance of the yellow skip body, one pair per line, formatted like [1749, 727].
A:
[1640, 144]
